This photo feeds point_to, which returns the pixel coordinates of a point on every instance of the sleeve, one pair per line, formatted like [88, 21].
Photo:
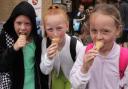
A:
[124, 80]
[46, 64]
[7, 56]
[79, 45]
[77, 78]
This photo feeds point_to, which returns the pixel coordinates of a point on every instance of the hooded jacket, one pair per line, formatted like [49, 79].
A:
[12, 61]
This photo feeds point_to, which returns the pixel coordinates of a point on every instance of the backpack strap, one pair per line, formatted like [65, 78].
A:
[73, 43]
[123, 61]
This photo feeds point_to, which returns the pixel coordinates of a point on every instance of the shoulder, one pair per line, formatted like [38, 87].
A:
[2, 35]
[79, 43]
[2, 40]
[75, 40]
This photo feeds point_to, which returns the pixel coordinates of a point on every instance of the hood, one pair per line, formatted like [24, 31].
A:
[23, 8]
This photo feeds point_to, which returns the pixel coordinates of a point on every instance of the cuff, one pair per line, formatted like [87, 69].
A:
[84, 77]
[47, 60]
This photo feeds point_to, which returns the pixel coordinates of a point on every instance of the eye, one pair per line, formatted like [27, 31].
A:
[49, 29]
[28, 24]
[105, 31]
[93, 30]
[19, 23]
[59, 28]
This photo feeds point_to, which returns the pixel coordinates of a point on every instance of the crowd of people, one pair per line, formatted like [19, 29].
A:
[95, 58]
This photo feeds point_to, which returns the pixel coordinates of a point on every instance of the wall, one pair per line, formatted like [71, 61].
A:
[6, 7]
[45, 5]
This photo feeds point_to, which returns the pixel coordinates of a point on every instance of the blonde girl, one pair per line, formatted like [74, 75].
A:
[99, 69]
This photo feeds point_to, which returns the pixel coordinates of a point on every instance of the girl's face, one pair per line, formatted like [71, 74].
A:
[22, 25]
[103, 28]
[55, 26]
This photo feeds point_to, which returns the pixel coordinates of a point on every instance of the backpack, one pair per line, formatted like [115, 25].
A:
[123, 62]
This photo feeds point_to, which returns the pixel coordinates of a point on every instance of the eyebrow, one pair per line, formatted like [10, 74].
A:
[53, 7]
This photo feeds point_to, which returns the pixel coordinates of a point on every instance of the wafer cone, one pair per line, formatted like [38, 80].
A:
[23, 35]
[99, 44]
[56, 40]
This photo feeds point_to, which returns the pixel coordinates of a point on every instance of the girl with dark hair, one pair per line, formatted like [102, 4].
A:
[20, 51]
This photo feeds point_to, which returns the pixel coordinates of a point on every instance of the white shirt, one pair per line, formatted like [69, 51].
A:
[63, 60]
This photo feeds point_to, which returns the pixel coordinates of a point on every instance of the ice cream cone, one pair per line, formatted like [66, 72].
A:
[56, 40]
[98, 45]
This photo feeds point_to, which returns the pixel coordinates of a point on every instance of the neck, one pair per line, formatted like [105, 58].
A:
[29, 39]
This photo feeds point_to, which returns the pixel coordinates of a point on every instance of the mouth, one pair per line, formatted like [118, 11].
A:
[22, 33]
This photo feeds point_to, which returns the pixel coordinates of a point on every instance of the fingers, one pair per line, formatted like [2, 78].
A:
[90, 55]
[50, 56]
[88, 59]
[52, 50]
[21, 42]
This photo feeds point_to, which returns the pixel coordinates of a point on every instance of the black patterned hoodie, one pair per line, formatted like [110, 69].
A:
[11, 61]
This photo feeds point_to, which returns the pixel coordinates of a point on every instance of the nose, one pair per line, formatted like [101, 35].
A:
[99, 36]
[22, 28]
[55, 32]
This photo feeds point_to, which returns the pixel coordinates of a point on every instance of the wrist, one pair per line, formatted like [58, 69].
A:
[15, 48]
[84, 69]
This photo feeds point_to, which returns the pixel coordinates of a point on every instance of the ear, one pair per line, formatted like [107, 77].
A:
[119, 31]
[67, 26]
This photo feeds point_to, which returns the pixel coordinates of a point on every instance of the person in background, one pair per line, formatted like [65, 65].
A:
[20, 51]
[84, 35]
[99, 66]
[56, 57]
[123, 8]
[79, 19]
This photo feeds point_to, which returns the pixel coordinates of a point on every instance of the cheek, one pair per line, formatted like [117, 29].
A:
[108, 40]
[62, 34]
[16, 28]
[29, 29]
[105, 38]
[111, 38]
[93, 37]
[49, 34]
